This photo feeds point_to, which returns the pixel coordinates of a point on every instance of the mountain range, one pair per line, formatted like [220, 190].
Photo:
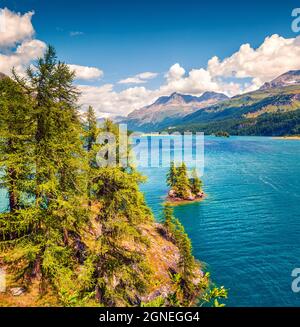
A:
[274, 109]
[167, 110]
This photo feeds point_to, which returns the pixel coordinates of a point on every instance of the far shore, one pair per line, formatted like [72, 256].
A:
[292, 137]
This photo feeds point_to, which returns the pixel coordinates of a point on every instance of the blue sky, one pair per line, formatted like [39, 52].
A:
[128, 37]
[125, 38]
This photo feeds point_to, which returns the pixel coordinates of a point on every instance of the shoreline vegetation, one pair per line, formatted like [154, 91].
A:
[222, 134]
[183, 190]
[74, 233]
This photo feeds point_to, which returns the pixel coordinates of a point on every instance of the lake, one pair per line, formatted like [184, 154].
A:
[247, 230]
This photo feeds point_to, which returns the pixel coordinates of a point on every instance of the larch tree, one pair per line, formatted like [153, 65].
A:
[195, 183]
[182, 185]
[171, 176]
[49, 249]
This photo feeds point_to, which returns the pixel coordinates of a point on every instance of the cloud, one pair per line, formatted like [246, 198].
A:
[275, 56]
[86, 73]
[146, 75]
[76, 33]
[25, 53]
[132, 80]
[108, 102]
[244, 71]
[139, 78]
[17, 46]
[175, 73]
[15, 27]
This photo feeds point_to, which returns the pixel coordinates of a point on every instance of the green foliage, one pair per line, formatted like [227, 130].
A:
[16, 143]
[181, 184]
[171, 176]
[186, 261]
[121, 269]
[43, 162]
[157, 302]
[212, 296]
[195, 183]
[70, 224]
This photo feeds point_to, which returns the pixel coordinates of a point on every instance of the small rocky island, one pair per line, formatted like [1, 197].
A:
[222, 134]
[183, 188]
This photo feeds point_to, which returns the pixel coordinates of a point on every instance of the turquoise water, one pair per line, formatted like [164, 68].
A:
[247, 230]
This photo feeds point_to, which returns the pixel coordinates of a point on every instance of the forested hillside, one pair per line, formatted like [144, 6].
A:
[75, 233]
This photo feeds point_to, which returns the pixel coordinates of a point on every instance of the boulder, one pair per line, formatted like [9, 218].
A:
[17, 291]
[200, 195]
[190, 197]
[172, 193]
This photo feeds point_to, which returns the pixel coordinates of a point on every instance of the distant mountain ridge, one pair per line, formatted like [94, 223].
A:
[274, 109]
[290, 78]
[2, 76]
[168, 109]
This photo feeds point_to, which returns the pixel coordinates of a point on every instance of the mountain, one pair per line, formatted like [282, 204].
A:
[2, 76]
[290, 78]
[168, 109]
[274, 109]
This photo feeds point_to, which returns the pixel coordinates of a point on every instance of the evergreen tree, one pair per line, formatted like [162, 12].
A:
[182, 185]
[171, 176]
[48, 246]
[91, 133]
[186, 260]
[168, 217]
[48, 233]
[195, 183]
[91, 128]
[16, 146]
[122, 211]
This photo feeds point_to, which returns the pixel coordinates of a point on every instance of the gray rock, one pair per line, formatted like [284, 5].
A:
[17, 291]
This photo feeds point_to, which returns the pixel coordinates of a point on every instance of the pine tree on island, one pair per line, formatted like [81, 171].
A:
[181, 186]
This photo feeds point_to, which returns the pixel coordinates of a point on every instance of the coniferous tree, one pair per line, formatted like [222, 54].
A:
[195, 183]
[91, 133]
[168, 217]
[50, 178]
[186, 259]
[91, 128]
[182, 185]
[49, 248]
[122, 211]
[16, 146]
[171, 176]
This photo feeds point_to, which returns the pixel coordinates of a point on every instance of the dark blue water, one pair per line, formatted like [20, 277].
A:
[247, 230]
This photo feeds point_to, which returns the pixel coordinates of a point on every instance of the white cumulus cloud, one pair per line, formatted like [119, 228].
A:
[14, 27]
[275, 56]
[22, 56]
[139, 78]
[107, 102]
[86, 73]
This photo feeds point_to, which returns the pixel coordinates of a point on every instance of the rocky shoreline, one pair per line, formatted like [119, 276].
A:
[172, 198]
